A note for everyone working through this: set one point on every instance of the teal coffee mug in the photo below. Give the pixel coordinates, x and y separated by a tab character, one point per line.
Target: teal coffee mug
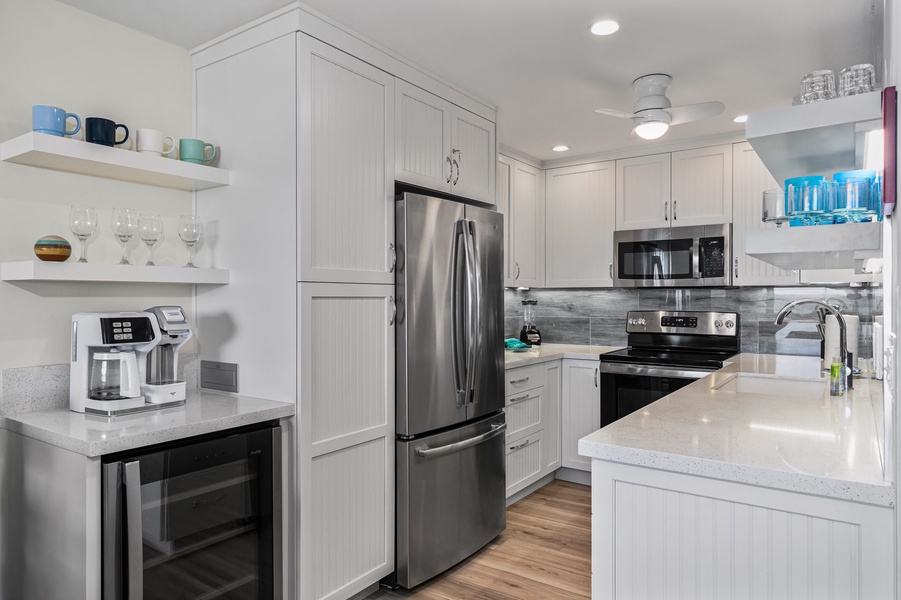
52	120
195	151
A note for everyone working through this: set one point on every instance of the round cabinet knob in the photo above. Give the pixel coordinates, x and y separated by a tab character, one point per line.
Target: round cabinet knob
717	323
729	324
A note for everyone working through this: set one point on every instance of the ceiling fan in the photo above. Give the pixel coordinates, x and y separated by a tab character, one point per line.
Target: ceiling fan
653	113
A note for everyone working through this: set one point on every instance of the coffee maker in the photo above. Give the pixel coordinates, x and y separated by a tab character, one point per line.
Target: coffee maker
108	349
161	383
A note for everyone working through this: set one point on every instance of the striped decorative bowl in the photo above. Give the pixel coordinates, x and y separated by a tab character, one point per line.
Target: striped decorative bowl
52	248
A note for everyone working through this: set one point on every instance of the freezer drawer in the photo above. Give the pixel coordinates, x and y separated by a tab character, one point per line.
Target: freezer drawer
450	497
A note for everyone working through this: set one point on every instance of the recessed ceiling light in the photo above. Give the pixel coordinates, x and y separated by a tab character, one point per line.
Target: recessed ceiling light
604	27
560	148
740	119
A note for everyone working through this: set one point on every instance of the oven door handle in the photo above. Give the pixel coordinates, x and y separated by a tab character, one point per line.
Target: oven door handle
654	371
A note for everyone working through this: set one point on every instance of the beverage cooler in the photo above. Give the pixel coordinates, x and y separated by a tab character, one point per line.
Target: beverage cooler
195	520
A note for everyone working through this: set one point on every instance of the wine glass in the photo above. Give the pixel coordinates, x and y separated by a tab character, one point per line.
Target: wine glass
190	229
83	224
125	226
150	228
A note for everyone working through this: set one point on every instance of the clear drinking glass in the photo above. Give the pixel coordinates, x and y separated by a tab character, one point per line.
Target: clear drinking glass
190	230
150	228
857	79
124	226
83	224
817	85
774	207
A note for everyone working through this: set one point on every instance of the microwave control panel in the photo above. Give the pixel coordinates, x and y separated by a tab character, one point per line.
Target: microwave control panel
712	257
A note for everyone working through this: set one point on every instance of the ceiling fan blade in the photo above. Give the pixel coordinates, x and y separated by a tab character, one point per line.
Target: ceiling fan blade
614	113
695	112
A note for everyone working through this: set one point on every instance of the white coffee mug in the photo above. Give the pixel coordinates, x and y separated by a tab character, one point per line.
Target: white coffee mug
151	141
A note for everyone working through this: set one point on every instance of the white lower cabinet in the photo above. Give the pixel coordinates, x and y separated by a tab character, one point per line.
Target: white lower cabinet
345	417
581	408
532	408
659	534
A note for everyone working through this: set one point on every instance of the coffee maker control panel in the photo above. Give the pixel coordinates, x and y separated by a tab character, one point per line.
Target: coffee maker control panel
126	330
171	319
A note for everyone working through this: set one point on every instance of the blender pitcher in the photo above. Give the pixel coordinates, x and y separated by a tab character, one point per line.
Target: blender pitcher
114	375
529	333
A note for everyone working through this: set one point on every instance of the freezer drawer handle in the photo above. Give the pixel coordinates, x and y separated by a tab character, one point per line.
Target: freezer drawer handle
440	451
131	476
515	381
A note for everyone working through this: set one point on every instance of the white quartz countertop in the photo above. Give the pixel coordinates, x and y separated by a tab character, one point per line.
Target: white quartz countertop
548	352
203	412
796	441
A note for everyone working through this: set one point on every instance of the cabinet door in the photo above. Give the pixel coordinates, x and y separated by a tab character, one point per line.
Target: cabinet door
643	192
525	220
345	173
550	418
473	155
504	199
702	186
749	179
346	445
581	408
423	138
579	236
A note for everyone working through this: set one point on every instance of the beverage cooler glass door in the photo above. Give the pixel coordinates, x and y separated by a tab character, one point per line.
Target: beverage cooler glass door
197	520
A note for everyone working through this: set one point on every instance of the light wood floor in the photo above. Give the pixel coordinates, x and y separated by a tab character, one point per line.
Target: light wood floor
544	554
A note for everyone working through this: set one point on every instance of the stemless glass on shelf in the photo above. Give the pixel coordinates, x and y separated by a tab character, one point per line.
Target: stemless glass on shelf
190	230
124	226
150	228
774	207
83	224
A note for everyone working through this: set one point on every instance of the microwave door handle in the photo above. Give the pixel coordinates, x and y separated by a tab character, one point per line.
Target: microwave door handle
134	534
696	258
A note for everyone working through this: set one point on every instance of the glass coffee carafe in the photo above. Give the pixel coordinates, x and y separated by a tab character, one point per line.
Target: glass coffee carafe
114	375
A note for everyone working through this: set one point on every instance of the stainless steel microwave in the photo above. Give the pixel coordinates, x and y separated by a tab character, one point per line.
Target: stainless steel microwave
673	257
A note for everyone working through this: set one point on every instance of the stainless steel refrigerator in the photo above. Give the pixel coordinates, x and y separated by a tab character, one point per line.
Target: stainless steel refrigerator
450	390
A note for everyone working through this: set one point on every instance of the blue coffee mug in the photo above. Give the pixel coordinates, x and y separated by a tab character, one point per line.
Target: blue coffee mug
52	120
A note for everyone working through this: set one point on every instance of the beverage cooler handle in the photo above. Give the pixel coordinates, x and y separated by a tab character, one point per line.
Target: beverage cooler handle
459	366
134	535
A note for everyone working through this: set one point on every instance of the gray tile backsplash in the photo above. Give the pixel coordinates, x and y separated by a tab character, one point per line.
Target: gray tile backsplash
598	316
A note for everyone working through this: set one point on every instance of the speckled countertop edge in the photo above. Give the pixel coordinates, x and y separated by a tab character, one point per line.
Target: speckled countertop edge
549	352
204	412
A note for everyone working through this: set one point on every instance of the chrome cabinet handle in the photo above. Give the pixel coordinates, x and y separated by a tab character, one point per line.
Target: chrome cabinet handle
393	251
736	268
457	164
666	211
515	381
518	446
519	399
450	169
393	310
610	270
517	270
596	369
674	210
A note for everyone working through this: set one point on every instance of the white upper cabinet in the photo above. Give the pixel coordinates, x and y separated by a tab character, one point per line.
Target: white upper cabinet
686	188
749	179
579	226
643	192
521	199
702	186
443	147
345	217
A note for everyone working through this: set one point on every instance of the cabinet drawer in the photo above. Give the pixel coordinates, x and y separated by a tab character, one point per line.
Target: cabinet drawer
523	461
521	379
523	412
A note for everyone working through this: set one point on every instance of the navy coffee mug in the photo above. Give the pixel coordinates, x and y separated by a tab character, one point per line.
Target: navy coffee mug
103	131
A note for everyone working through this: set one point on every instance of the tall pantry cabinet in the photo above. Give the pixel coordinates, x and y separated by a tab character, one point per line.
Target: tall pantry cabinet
308	230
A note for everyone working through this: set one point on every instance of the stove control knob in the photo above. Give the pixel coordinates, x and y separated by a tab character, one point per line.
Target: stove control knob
642	321
729	324
717	323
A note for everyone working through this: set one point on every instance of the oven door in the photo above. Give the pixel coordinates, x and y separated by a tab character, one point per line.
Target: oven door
626	388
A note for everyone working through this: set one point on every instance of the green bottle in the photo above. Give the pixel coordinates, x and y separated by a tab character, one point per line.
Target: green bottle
836	376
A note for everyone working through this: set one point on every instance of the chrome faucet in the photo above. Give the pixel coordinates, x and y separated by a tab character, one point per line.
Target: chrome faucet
842	332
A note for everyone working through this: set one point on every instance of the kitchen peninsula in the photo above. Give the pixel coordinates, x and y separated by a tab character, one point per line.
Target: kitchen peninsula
752	479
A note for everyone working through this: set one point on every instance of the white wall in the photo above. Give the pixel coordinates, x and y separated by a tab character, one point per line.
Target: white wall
57	55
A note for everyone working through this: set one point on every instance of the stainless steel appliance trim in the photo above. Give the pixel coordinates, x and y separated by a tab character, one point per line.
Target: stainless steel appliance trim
459	366
472	319
706	322
496	429
478	340
654	371
695	255
134	534
110	554
277	518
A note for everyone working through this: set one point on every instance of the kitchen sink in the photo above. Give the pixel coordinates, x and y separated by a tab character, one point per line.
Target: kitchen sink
770	385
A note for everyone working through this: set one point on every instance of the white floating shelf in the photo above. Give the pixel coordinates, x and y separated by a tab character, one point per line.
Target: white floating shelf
29	270
820	138
74	156
816	247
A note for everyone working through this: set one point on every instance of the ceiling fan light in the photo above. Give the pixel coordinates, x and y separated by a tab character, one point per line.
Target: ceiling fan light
605	27
651	130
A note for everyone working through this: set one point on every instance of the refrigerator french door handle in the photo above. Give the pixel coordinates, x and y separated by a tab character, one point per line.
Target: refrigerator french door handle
478	341
459	365
472	313
134	535
496	430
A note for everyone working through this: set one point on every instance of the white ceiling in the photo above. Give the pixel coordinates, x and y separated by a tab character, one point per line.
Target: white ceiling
536	61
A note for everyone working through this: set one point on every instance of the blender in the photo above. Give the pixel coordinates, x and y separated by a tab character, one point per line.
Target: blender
529	333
